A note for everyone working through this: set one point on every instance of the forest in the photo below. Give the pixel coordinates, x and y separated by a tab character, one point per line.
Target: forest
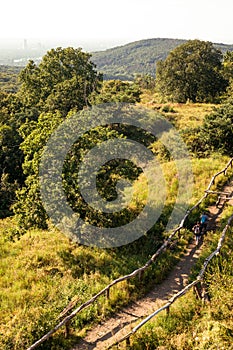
42	270
140	57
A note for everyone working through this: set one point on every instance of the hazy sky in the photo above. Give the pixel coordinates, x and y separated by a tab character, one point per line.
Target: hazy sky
121	20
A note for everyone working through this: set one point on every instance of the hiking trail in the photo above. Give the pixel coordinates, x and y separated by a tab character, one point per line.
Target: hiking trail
108	331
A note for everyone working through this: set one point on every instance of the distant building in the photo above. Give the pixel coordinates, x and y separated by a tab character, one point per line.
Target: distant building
25	44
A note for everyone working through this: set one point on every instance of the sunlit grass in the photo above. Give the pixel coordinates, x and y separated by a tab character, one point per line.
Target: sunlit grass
192	324
181	115
42	271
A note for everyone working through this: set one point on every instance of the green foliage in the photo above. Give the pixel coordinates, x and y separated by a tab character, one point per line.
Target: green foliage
168	109
34	268
190	324
139	57
11	157
228	65
62	81
217	130
195	141
9	78
191	72
117	91
145	81
28	208
7	195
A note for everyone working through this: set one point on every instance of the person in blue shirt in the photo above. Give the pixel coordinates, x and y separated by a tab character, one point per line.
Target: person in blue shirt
204	221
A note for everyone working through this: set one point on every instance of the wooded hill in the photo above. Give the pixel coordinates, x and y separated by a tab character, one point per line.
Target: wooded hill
139	57
126	61
41	270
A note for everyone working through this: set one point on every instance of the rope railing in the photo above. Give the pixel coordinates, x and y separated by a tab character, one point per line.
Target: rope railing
184	290
136	272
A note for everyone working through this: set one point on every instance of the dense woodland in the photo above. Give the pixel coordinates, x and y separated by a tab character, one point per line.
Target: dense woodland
138	58
192	88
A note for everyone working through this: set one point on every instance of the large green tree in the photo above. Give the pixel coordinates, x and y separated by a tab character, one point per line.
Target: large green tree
64	80
11	157
228	65
192	71
29	208
217	131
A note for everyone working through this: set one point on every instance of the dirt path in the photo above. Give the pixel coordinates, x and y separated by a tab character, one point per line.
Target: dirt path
107	332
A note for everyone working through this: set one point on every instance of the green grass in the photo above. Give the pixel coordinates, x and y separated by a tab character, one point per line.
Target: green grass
181	115
192	324
41	272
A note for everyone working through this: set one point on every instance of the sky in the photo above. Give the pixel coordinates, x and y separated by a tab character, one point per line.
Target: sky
121	21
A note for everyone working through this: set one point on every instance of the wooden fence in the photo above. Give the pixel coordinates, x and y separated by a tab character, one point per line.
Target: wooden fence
137	272
198	279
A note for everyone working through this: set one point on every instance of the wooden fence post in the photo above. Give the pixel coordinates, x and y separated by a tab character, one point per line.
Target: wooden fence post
204	293
197	290
127	341
67	329
140	275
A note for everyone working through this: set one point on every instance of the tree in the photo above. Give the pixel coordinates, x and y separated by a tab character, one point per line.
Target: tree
117	91
11	157
228	73
228	65
29	209
217	132
64	80
192	71
145	81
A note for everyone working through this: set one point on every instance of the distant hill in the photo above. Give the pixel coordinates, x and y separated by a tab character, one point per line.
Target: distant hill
124	62
121	62
9	78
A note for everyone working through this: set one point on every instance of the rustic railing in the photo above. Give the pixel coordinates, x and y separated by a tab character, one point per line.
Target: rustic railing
136	272
183	291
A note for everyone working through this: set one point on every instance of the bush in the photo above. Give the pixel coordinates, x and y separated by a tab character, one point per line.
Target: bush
217	130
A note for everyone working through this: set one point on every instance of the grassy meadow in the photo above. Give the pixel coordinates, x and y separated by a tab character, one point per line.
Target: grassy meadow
42	271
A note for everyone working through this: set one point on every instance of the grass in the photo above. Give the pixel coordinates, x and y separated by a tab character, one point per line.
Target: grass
41	272
192	324
189	115
181	115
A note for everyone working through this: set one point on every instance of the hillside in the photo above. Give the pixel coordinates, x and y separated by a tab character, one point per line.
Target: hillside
9	78
124	62
46	276
121	62
43	272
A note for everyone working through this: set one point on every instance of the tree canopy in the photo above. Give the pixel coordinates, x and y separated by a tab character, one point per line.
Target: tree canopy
192	71
117	91
64	80
217	131
228	65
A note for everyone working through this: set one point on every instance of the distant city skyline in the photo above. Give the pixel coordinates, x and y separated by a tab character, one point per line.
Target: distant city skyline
105	23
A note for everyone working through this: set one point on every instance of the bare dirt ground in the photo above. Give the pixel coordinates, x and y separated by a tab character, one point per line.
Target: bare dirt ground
109	331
